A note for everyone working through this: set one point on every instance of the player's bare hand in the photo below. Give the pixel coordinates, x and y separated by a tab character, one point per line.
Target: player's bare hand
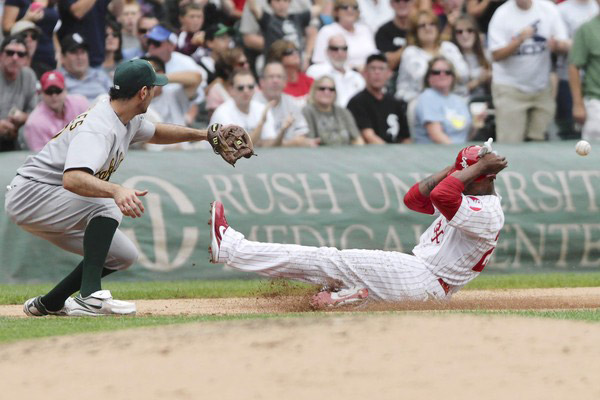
492	163
128	201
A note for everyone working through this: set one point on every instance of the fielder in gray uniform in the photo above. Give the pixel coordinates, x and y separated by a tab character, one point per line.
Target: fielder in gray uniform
63	193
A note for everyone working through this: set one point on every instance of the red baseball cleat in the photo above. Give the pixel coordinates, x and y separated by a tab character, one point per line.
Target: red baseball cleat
339	298
218	226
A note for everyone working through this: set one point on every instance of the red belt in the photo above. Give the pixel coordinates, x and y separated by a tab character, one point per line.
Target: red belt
444	285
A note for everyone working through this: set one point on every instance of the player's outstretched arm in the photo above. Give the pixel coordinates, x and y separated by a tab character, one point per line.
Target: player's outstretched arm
169	133
83	183
417	198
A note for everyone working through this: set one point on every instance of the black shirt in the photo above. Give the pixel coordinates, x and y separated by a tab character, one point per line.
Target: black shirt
387	117
390	38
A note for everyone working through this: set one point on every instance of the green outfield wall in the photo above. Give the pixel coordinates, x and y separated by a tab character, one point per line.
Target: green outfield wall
346	197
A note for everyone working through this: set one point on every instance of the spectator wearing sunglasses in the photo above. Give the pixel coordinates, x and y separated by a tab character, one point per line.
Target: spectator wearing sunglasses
113	49
348	82
425	43
441	116
226	64
17	90
37	23
331	124
256	118
467	37
80	78
56	109
346	14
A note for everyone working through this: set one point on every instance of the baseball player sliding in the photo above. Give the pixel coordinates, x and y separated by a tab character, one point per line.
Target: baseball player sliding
452	252
63	193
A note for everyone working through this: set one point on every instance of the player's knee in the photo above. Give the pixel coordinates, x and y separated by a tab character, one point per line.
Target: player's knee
124	259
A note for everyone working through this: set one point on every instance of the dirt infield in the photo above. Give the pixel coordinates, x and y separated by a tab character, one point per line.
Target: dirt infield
391	356
513	299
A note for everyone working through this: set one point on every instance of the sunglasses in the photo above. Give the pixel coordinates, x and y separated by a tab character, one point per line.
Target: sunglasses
155	43
468	30
347	7
142	31
31	35
240	88
52	91
289	52
401	1
441	71
11	53
338	48
326	89
426	24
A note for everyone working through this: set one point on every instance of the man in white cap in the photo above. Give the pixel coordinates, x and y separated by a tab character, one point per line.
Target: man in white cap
56	109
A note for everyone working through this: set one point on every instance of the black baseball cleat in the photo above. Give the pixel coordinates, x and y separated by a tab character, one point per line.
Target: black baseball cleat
218	226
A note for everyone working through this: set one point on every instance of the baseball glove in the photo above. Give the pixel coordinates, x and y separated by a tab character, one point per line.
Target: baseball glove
231	142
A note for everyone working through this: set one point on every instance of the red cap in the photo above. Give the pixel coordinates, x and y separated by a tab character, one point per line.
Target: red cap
52	78
467	157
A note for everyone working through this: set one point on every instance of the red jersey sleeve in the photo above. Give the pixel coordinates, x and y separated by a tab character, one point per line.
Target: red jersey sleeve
417	202
447	196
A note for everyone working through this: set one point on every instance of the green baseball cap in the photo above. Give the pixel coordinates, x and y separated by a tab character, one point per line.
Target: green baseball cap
132	75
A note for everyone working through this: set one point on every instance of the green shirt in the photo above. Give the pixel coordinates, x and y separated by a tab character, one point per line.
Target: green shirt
585	54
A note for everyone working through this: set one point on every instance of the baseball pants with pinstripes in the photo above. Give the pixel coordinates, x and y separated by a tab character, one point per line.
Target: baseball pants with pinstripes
389	276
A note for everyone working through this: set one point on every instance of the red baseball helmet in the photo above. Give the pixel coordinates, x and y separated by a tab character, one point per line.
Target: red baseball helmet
467	157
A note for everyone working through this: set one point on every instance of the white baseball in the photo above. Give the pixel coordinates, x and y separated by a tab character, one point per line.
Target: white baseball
583	148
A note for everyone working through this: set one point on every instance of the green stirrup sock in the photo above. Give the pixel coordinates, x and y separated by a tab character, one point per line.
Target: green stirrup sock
96	243
55	299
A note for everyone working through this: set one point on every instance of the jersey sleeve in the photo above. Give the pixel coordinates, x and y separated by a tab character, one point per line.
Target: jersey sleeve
87	150
479	216
145	131
415	200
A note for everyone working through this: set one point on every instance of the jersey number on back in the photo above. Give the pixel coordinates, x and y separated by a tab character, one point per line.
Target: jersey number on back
484	260
78	120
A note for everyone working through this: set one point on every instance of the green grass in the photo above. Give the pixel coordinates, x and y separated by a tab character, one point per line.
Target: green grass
18	293
14	329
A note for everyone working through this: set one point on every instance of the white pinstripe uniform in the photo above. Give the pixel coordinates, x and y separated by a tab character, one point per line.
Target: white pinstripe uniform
455	251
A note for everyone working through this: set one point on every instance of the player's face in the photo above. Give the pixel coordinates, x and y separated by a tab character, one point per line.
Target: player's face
481	188
54	98
13	58
337	50
76	62
147	96
377	74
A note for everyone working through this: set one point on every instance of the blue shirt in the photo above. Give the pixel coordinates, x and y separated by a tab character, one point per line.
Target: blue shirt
450	111
93	84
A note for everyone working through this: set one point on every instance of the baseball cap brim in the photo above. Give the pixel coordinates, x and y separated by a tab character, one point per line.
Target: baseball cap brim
161	80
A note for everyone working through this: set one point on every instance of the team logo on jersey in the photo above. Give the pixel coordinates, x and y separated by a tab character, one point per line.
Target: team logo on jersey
114	164
474	203
438	232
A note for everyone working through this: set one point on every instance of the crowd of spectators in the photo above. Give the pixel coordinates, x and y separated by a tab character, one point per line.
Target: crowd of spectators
312	72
